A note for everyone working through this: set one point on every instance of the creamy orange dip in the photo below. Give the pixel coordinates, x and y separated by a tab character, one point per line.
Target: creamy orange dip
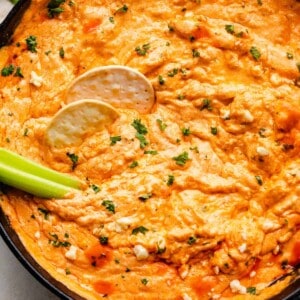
198	199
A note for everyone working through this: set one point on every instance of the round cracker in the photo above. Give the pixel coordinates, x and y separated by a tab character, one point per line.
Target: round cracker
78	120
119	86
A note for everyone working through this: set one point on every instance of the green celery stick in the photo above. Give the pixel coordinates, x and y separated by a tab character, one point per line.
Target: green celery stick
28	166
32	184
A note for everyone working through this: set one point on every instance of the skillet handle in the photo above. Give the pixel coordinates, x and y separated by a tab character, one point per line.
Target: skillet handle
8	26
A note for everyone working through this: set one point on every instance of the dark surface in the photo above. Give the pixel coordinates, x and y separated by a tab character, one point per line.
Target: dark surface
16	246
12	20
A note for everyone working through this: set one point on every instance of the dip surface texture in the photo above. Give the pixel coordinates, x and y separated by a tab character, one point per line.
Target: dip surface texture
198	199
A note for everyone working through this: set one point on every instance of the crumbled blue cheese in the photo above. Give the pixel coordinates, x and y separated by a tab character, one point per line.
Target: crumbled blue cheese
35	79
37	235
247	116
186	297
243	248
71	253
123	223
236	287
262	151
140	252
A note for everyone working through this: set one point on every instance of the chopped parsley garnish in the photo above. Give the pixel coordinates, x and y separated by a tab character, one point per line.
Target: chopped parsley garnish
255	53
14	1
122	9
31	43
195	148
195	53
140	229
161	80
71	3
55	242
95	188
142	51
25	133
161	124
145	197
171	28
206	104
139	127
142	139
103	240
261	132
44	212
171	179
115	139
186	131
229	28
214	130
111	20
192	240
54	8
298	66
6	71
180	97
74	159
19	73
141	131
251	290
144	281
160	250
62	52
181	159
68	272
133	164
259	180
173	72
289	55
152	152
192	38
109	205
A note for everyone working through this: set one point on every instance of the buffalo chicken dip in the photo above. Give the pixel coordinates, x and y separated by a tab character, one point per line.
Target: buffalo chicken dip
197	198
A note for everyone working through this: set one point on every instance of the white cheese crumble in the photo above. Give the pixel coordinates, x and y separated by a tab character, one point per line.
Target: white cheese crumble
262	151
225	115
71	253
276	250
268	225
123	223
243	248
36	80
37	235
186	297
140	252
236	287
252	274
247	116
216	270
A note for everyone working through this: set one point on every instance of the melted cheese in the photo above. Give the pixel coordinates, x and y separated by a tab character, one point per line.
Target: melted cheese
207	205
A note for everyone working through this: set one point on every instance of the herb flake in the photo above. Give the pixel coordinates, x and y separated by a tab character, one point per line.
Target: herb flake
109	205
181	159
140	229
255	53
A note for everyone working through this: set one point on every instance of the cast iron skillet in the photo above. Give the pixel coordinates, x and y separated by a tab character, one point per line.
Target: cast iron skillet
12	20
292	292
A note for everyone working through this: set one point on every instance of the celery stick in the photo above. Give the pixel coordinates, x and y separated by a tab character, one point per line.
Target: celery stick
23	164
32	184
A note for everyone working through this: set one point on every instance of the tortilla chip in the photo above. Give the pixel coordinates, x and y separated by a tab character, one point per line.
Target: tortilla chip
78	120
119	86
